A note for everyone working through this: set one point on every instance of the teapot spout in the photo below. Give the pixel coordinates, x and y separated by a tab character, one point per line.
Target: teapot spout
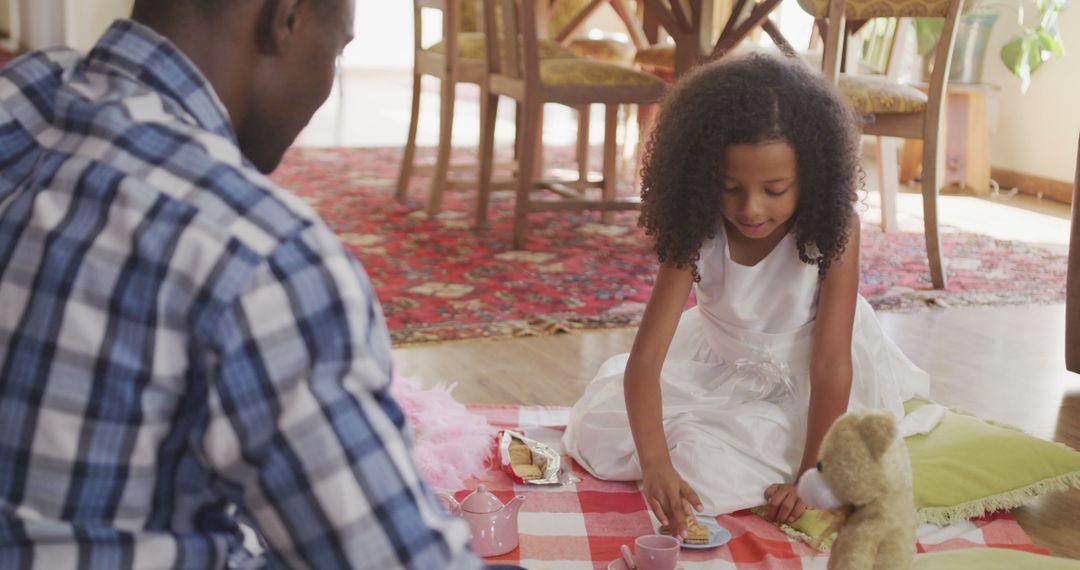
513	506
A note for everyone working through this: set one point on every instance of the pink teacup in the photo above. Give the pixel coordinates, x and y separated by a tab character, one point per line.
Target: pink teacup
656	552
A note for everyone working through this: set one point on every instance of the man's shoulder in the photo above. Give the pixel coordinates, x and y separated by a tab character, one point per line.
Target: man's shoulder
230	200
160	153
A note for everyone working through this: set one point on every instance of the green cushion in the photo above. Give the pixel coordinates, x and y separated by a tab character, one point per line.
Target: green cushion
810	525
990	559
966	467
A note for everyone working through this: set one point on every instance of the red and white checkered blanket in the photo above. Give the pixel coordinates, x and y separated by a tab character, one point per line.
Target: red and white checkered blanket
581	525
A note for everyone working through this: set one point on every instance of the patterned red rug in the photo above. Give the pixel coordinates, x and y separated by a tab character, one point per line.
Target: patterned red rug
439	280
5	57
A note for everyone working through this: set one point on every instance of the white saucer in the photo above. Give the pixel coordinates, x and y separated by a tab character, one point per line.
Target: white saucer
618	564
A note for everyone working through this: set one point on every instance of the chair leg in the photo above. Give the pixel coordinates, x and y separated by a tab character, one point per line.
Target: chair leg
628	145
442	160
409	157
611	140
538	158
931	180
527	169
646	117
583	143
489	107
888	182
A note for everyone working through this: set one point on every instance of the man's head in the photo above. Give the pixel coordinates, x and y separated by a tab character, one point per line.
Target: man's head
272	62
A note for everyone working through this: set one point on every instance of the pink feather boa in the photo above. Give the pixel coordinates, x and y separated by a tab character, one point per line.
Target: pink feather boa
451	444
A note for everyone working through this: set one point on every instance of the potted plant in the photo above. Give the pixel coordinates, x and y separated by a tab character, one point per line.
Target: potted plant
1021	55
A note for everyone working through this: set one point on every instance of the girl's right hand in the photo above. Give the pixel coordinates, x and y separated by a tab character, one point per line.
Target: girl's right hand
670	498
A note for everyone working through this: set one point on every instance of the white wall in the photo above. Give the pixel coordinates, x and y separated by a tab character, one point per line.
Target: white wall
1037	131
383	35
384	32
42	23
87	19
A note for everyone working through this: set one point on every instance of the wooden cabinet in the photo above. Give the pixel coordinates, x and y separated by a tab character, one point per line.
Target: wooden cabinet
967	135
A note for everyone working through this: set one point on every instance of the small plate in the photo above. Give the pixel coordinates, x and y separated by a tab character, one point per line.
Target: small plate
619	564
718	535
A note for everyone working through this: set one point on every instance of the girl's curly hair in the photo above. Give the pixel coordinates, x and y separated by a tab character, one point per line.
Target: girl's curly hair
749	99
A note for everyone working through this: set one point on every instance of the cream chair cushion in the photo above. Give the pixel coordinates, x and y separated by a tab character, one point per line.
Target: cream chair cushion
471	46
871	94
565	72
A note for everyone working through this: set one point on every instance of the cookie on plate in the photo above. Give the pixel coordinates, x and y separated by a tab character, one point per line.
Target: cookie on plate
697	533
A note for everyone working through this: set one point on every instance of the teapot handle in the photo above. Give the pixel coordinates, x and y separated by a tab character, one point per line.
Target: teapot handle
450	504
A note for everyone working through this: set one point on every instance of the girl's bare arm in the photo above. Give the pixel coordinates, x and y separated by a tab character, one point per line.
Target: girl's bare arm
830	361
666	492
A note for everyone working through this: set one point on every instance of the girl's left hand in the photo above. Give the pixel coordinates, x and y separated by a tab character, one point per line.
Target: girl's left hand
785	506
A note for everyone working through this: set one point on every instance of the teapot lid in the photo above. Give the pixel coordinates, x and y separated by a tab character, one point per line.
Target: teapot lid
481	501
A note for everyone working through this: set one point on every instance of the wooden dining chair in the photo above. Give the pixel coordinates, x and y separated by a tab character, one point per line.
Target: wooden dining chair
874	47
458	57
515	70
1072	280
892	109
568	18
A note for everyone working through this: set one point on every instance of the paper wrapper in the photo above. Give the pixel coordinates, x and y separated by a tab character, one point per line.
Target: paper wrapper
547	459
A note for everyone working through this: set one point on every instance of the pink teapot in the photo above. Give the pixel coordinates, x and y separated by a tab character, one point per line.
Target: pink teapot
493	526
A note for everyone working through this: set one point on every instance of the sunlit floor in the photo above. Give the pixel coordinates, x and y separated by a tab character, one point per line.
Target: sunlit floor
1002	363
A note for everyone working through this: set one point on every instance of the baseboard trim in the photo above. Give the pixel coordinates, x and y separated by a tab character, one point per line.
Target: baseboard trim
1035	185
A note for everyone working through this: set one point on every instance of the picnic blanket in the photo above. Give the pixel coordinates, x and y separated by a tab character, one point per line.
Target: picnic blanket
582	524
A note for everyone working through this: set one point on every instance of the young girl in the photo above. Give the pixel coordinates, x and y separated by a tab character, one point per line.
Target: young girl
749	191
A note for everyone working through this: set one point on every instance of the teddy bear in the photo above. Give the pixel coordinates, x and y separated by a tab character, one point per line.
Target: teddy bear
864	470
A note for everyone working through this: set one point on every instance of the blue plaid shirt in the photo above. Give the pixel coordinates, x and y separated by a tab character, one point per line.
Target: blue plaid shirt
182	343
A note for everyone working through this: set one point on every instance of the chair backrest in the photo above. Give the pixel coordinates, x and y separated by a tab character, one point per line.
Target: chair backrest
1072	280
563	13
451	24
513	51
878	44
472	16
840	10
866	9
881	40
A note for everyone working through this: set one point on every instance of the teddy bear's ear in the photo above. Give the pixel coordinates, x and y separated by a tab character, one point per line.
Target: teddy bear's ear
878	430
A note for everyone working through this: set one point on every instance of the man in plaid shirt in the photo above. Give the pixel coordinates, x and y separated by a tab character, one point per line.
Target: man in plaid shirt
182	343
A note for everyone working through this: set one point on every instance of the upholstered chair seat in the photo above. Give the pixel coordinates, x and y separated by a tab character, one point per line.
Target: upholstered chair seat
656	57
471	46
605	49
873	94
563	72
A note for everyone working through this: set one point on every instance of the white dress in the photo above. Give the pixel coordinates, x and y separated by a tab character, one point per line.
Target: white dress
736	381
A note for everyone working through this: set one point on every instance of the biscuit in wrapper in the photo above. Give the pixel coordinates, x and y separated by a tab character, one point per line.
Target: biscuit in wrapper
519	453
528	472
527	460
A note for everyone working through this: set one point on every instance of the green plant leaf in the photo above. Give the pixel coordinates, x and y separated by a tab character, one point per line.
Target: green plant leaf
927	32
1050	43
1015	57
1034	52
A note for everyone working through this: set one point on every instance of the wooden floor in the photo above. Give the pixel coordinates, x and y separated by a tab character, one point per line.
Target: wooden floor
1006	364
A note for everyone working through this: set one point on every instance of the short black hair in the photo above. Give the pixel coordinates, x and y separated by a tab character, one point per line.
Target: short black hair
750	99
206	7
